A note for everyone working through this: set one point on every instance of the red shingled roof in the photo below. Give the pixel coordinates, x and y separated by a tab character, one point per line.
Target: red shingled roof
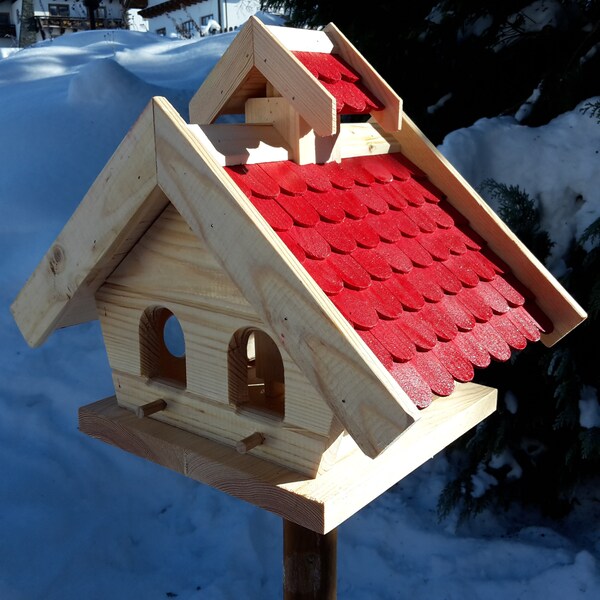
419	286
341	81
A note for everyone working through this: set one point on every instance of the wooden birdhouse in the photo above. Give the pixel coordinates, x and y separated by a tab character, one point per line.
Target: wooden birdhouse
336	282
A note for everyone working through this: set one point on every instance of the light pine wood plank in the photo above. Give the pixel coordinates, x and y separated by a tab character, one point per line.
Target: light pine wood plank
292	446
552	298
321	342
171	267
236	144
293	80
390	118
304	40
121	203
320	504
229	74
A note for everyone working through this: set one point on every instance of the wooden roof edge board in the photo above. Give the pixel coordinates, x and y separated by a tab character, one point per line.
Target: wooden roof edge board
224	79
66	276
241	143
302	40
319	504
390	118
293	80
562	309
360	391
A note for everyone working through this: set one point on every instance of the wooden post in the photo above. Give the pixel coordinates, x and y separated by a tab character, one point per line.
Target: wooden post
309	563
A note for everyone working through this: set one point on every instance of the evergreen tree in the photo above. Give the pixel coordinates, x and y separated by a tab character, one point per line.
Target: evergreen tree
544	439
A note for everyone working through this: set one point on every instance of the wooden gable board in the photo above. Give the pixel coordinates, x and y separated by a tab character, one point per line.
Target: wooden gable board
119	206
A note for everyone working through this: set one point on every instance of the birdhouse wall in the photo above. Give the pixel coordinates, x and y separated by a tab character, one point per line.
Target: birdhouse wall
170	271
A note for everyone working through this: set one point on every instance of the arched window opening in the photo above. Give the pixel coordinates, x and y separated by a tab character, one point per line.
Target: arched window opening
256	378
162	346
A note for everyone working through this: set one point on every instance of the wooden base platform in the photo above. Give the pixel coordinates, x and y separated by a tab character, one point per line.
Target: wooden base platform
319	504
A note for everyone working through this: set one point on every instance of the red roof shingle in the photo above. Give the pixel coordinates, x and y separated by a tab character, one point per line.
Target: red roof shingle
341	81
401	264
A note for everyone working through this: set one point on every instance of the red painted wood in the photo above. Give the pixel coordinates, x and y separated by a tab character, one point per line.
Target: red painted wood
319	66
420	218
461	270
397	259
460	316
315	176
474	303
377	267
492	341
391	337
481	265
371	199
415	251
325	275
385	227
407	226
346	71
361	175
413	170
425	284
261	185
412	383
355	308
444	277
417	330
400	286
510	334
337	235
350	99
423	290
522	320
339	177
437	214
377	348
513	297
302	212
275	216
493	298
435	244
363	233
391	195
401	169
412	193
352	274
472	349
289	241
386	304
327	205
440	322
311	241
454	360
377	168
434	373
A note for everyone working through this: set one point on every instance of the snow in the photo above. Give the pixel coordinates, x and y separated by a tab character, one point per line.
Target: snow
80	519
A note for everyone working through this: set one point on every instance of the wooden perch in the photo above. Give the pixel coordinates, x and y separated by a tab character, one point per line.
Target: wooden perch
145	410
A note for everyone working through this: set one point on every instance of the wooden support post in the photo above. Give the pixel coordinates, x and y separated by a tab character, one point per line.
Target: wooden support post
309	563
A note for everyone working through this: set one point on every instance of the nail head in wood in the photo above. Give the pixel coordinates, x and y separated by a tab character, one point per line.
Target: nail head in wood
245	445
150	408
